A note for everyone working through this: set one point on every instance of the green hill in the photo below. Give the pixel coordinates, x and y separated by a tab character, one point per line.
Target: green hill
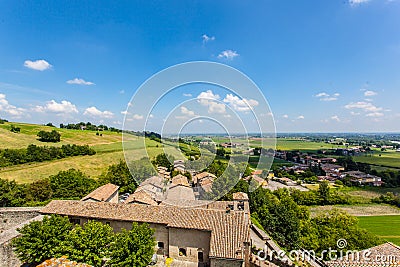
108	147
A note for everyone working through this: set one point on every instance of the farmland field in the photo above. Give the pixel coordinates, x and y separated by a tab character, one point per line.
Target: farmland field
387	159
386	227
359	210
108	147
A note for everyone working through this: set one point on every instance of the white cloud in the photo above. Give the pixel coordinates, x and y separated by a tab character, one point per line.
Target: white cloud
301	117
208	98
186	111
54	107
370	93
323	94
124	112
240	104
327	97
285	116
122	92
207	38
335	118
187	95
94	112
137	117
374	114
228	54
40	64
366	106
357	2
10	109
79	81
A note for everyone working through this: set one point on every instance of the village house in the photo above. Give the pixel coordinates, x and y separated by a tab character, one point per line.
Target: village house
361	178
106	193
210	235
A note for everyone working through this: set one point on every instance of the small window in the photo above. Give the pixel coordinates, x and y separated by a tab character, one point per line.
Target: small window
182	252
230	206
241	205
74	221
160	245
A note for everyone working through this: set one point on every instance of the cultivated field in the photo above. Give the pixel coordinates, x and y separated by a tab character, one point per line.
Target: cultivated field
359	210
386	227
386	159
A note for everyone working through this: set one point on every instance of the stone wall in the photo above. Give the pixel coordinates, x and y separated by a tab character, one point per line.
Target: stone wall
7	256
10	217
225	263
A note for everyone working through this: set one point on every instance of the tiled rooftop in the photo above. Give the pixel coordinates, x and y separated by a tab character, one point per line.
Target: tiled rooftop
102	193
228	230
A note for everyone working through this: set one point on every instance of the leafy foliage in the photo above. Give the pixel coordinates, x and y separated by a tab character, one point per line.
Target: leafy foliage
55	236
134	247
71	184
42	240
52	136
91	243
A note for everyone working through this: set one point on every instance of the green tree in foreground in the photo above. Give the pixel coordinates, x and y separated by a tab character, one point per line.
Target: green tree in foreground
134	247
42	240
90	243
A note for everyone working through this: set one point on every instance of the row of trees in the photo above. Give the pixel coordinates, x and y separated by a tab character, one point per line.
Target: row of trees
70	184
94	243
88	126
34	153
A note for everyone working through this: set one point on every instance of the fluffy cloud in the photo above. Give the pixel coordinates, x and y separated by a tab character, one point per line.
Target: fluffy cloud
374	114
366	106
10	109
79	81
370	93
137	117
94	112
40	64
240	104
228	54
186	111
208	98
187	95
285	116
301	117
327	97
54	107
207	38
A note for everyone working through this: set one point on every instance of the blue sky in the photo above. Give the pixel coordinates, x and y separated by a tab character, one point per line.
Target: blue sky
323	66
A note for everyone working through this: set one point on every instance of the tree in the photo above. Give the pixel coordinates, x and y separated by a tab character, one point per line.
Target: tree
42	240
91	243
39	190
134	247
323	191
52	136
15	129
71	184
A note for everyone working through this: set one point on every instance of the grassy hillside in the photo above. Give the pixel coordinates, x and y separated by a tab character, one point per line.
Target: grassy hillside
108	147
28	136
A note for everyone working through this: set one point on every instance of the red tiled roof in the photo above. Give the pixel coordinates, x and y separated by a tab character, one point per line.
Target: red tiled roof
102	193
